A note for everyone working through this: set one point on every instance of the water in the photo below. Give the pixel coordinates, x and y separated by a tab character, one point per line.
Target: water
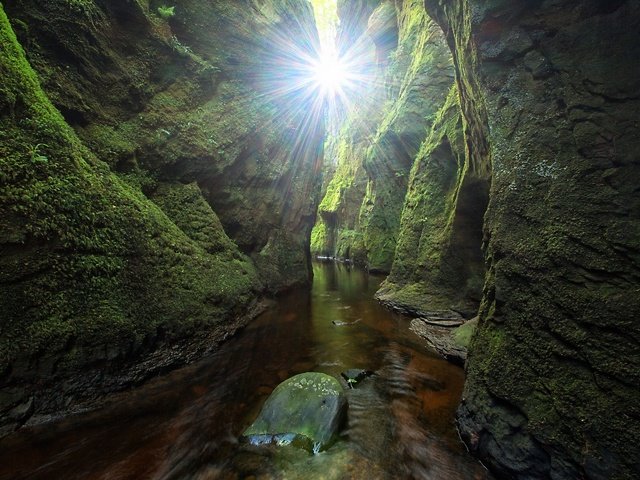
185	424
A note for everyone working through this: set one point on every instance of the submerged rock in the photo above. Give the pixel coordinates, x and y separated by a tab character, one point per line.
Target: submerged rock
306	410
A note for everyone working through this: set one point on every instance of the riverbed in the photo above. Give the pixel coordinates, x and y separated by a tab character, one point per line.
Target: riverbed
186	424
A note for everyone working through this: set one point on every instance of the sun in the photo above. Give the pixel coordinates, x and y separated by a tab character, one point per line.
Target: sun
329	74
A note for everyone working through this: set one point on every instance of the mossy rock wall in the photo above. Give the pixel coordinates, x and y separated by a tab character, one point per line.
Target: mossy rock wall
438	263
123	209
419	75
380	141
552	382
337	231
193	97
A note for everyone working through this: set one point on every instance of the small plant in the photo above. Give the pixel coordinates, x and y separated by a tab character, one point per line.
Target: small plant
36	156
166	12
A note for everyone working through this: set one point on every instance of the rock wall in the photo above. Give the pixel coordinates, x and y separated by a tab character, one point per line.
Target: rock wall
152	187
519	195
438	264
379	145
337	230
198	95
552	383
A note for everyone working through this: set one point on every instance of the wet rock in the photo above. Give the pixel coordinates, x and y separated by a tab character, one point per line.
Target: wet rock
441	339
306	410
556	351
354	376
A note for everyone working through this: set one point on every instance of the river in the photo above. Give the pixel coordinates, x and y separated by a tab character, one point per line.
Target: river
186	424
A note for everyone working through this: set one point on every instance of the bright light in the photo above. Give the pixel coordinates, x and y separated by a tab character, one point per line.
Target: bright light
329	74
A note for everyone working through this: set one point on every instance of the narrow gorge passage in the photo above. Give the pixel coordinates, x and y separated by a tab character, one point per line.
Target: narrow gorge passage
169	169
186	424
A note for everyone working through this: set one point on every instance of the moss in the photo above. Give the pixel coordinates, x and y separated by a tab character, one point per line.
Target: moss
187	208
281	267
166	12
309	405
320	239
437	262
556	339
338	210
191	100
380	141
93	262
418	81
351	246
463	334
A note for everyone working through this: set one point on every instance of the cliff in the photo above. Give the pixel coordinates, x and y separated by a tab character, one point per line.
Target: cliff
153	187
516	200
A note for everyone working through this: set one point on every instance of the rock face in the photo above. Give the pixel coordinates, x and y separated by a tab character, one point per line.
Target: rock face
306	410
451	343
151	188
195	97
520	196
359	216
553	370
410	189
438	263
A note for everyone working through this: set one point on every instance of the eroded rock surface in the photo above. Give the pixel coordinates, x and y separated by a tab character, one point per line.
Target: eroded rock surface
359	216
556	350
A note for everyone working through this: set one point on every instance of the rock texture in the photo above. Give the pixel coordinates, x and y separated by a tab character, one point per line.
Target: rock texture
518	198
151	188
438	263
359	217
306	410
553	380
195	97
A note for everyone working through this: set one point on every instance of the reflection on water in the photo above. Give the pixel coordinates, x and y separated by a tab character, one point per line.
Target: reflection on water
186	424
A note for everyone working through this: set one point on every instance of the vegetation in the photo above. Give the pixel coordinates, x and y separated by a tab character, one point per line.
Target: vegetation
166	12
372	176
98	270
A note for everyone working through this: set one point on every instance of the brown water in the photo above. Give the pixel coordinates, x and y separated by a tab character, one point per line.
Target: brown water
185	424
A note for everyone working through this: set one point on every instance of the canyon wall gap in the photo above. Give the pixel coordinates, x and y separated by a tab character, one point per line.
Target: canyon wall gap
152	192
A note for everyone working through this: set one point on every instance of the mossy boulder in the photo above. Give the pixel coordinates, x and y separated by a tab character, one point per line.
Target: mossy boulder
306	410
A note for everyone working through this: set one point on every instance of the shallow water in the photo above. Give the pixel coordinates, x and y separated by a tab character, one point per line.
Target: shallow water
186	424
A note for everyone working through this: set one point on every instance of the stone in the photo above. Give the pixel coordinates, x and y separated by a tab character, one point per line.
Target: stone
441	339
354	376
462	335
306	411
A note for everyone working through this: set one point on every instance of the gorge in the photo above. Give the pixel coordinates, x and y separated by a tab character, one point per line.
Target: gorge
167	169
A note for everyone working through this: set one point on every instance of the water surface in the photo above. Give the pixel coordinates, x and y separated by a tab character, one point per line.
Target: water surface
186	424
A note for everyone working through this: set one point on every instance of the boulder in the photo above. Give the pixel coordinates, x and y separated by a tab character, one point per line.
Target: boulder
306	410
